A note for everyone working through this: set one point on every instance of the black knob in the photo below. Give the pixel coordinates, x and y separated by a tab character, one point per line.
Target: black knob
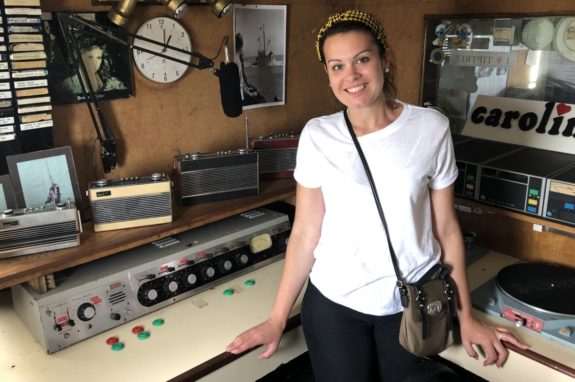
71	323
115	316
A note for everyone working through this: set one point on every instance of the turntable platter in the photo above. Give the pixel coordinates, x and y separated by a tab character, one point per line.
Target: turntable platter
542	286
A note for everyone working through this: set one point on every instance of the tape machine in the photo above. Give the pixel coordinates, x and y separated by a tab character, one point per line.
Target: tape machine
201	178
277	155
130	202
30	230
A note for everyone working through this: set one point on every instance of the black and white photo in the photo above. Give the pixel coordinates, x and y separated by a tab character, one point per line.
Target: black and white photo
260	53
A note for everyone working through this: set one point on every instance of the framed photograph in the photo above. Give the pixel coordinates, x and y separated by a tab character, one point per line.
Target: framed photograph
44	177
7	200
107	62
260	53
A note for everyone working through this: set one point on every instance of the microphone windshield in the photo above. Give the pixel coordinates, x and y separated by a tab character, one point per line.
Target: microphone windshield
230	91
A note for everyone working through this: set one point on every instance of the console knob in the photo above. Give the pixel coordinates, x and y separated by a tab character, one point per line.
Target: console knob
86	311
115	316
173	286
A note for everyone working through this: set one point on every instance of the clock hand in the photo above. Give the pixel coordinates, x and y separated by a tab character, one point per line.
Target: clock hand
166	44
164	33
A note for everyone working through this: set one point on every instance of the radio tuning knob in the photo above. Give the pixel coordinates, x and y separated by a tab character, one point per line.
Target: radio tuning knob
101	182
156	176
115	316
8	212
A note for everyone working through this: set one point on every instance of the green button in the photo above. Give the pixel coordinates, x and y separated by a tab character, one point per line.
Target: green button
229	292
118	346
158	322
250	282
533	191
144	335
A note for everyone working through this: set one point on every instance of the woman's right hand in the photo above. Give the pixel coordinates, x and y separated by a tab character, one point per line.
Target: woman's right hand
267	333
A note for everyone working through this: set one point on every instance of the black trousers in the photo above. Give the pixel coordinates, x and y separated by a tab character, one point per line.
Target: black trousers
349	346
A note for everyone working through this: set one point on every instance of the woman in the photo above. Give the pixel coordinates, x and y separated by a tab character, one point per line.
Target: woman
351	310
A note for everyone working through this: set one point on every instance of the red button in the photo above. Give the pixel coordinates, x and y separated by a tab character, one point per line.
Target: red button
137	329
112	340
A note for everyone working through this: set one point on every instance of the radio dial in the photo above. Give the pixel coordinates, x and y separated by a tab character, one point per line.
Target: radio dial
86	311
101	182
115	316
157	176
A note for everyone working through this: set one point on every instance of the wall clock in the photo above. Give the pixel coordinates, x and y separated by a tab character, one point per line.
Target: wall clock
167	32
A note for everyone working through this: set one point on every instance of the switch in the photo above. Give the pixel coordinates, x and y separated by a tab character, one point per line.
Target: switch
115	316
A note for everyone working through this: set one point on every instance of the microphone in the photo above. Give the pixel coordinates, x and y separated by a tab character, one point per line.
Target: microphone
230	90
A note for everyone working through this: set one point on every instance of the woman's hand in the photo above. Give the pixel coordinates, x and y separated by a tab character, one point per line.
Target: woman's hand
489	339
267	333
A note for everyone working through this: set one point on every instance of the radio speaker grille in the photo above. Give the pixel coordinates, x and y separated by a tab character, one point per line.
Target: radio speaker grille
277	160
7	238
220	179
132	208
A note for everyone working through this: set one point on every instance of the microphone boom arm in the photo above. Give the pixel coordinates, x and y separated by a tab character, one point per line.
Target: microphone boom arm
71	26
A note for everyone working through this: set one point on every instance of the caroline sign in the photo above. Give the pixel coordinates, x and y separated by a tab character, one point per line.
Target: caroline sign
544	125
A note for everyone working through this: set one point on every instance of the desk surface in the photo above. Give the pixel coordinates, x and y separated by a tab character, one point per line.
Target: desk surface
193	335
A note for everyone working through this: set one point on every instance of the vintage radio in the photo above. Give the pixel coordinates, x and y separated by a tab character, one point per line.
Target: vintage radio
560	197
46	228
209	177
109	292
130	202
277	155
517	181
469	155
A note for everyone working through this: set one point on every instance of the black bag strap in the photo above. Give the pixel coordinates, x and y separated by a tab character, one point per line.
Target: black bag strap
400	280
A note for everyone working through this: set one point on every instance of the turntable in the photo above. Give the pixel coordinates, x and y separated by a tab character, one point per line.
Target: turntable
536	296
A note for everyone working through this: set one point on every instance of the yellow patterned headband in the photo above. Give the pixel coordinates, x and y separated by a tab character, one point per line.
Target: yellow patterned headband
350	16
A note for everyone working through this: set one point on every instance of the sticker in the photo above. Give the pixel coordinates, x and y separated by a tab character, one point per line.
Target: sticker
30	84
7	137
36	125
31	92
33	100
35	117
20	37
28	64
27	56
6	129
6	121
30	73
34	109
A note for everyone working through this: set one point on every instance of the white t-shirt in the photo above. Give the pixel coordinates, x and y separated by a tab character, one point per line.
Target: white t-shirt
352	261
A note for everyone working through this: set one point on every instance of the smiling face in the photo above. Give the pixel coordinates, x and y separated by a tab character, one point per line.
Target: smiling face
355	67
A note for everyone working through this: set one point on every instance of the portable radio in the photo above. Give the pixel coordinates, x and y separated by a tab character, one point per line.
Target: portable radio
130	202
277	155
46	228
222	175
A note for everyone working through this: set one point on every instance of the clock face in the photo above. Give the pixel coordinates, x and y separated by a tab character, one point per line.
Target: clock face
167	32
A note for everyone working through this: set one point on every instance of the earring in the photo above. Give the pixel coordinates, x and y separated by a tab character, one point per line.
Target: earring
386	70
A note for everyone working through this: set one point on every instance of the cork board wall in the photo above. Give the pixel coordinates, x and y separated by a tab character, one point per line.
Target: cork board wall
162	121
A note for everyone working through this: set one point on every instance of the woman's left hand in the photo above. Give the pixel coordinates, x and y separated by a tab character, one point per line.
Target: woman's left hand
489	339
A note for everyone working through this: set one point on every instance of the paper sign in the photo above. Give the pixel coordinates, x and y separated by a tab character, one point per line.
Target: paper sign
538	124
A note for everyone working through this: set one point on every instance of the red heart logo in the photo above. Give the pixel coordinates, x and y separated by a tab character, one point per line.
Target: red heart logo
562	109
